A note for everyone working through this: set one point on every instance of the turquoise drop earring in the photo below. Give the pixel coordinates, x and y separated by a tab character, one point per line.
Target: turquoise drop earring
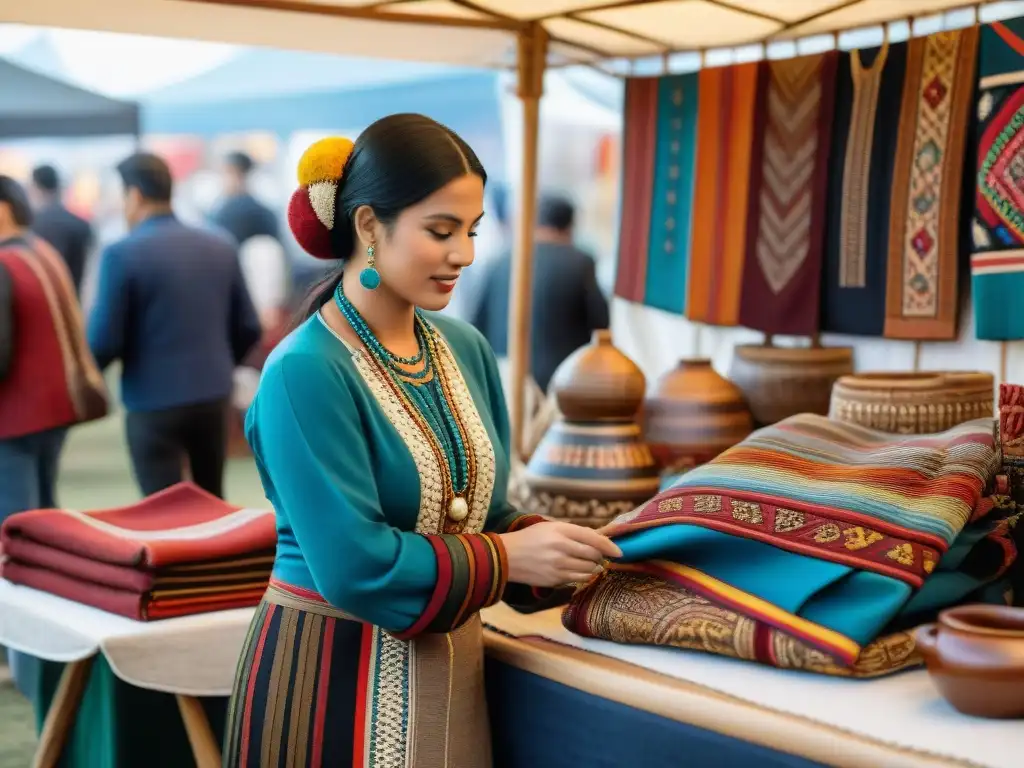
369	278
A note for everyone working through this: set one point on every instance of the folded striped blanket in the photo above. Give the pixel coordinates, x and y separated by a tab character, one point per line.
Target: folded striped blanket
177	552
811	545
838	492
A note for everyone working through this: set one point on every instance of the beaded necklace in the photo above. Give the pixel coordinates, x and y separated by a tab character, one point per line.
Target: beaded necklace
426	395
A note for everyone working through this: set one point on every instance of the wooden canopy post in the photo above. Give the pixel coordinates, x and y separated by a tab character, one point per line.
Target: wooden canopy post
532	59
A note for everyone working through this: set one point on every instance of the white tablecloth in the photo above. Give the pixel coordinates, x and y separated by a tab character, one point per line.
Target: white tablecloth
191	655
903	709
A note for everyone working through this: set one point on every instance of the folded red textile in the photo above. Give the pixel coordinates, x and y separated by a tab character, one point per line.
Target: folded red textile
124	577
142	606
180	525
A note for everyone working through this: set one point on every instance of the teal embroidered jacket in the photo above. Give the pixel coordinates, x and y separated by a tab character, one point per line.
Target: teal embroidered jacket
346	489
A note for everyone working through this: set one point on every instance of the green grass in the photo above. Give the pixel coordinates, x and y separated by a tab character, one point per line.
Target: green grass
94	474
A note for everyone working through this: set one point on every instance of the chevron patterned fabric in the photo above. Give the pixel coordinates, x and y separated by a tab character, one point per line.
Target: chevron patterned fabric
792	137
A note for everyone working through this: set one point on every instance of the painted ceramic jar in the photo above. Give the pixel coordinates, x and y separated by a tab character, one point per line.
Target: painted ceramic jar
779	382
593	464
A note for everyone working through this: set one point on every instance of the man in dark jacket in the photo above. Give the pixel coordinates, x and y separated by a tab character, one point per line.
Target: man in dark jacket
240	213
69	234
567	303
173	307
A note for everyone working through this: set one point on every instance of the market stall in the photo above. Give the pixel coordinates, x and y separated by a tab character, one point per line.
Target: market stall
483	33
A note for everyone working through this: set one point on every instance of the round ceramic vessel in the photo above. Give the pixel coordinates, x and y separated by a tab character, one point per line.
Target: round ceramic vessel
779	382
597	382
693	415
975	656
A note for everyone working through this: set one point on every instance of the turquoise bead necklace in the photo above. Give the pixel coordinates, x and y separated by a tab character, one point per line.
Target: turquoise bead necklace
423	388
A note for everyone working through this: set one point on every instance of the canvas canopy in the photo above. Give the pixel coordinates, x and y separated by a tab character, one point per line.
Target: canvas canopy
34	105
477	33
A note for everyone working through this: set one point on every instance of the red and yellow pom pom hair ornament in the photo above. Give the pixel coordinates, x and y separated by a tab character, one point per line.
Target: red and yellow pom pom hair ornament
311	211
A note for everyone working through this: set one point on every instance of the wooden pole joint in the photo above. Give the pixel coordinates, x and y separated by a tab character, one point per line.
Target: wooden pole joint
532	60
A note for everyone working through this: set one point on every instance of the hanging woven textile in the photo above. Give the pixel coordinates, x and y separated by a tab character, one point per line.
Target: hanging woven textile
924	229
657	194
869	89
725	133
997	229
788	187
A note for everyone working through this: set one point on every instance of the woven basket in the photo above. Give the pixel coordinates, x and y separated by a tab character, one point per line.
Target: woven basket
913	403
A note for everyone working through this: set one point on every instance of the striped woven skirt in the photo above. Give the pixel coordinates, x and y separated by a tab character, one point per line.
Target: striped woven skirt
316	689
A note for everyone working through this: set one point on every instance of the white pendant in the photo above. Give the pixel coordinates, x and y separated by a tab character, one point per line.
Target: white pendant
458	510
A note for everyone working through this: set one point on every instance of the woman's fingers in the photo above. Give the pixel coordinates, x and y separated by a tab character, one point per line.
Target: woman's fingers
583	551
592	538
575	566
579	578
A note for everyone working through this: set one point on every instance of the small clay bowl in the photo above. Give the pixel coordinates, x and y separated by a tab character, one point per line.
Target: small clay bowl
975	656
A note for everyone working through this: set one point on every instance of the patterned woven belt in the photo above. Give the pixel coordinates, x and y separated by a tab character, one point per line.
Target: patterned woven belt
278	594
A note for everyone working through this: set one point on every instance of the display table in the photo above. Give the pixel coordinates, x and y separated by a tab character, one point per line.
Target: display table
896	722
794	719
189	657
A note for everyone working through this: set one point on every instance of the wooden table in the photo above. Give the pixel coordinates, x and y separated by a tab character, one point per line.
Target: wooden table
189	657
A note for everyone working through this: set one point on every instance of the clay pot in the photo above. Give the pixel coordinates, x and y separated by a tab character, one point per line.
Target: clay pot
913	403
597	382
592	464
693	415
975	656
780	382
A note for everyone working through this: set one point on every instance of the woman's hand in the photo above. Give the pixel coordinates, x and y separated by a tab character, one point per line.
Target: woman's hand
554	554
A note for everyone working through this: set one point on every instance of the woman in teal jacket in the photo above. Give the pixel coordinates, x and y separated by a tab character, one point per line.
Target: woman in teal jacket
380	432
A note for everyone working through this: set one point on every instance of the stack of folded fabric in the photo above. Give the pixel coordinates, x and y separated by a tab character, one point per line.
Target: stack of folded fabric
811	545
178	552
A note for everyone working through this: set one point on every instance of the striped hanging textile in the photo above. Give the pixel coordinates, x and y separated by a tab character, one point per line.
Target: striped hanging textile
997	229
869	90
788	185
654	239
924	228
725	139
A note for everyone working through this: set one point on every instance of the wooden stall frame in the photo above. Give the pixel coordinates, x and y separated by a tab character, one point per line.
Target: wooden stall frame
533	43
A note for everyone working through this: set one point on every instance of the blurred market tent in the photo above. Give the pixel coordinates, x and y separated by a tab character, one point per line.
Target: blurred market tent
196	101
